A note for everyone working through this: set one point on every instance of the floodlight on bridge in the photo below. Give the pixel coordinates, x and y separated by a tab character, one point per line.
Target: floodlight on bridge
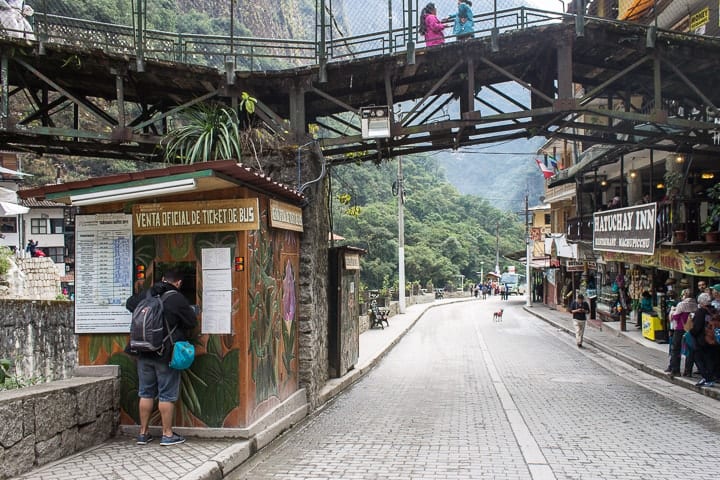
375	122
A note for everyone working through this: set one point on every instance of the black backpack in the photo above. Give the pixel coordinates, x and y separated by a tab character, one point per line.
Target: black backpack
148	324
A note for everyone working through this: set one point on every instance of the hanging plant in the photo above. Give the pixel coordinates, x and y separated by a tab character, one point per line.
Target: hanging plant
206	132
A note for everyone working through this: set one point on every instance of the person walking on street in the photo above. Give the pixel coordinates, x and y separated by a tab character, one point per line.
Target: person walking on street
156	378
431	27
715	293
579	309
678	317
705	351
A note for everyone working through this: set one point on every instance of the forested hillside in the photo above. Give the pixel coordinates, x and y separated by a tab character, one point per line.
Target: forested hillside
446	233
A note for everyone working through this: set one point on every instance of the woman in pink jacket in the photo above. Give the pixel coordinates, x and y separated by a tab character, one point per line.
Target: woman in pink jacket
431	27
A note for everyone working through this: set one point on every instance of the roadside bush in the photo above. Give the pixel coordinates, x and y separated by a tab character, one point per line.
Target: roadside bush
5	260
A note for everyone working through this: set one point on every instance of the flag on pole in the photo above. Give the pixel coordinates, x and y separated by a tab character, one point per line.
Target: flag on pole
546	171
553	162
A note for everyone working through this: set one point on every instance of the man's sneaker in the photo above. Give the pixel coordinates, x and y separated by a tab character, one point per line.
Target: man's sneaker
709	383
701	383
174	439
144	438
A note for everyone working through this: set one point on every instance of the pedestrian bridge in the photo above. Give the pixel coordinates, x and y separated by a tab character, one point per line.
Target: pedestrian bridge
80	87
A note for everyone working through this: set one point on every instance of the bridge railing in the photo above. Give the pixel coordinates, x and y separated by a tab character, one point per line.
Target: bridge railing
125	31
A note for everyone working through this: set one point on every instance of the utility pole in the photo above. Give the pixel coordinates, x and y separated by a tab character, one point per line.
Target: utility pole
497	249
401	237
528	253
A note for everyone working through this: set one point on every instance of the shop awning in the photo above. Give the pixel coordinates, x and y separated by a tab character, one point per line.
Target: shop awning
632	9
195	178
7	171
8	209
561	247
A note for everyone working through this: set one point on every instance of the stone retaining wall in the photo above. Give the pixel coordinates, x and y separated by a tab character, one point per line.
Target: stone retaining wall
46	422
38	337
31	277
394	308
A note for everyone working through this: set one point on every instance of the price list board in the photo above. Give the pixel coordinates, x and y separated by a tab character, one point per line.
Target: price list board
103	273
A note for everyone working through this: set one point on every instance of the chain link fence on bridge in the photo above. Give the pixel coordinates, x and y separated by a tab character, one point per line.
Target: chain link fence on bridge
257	35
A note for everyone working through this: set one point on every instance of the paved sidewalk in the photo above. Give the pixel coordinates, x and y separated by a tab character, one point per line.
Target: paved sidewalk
629	346
202	458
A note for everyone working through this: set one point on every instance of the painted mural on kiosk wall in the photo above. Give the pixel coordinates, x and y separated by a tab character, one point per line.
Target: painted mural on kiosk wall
262	352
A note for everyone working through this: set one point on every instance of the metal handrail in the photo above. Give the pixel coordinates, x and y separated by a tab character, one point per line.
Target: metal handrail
250	53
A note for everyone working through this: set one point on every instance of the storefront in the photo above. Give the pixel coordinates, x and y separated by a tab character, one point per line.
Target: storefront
636	269
235	237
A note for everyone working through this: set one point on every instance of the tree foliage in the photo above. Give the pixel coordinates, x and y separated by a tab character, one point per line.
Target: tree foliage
446	233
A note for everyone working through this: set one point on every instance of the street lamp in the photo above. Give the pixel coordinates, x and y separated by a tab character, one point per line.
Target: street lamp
462	282
482	272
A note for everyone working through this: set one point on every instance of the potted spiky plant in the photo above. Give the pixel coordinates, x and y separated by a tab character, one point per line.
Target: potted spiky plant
673	182
710	225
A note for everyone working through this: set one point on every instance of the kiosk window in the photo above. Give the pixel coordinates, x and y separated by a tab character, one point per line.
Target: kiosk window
189	273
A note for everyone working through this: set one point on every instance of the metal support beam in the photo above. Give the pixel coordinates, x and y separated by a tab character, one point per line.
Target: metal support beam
589	96
120	94
57	87
410	55
322	46
140	35
432	90
336	101
298	120
516	79
579	18
5	105
657	82
565	69
177	109
690	84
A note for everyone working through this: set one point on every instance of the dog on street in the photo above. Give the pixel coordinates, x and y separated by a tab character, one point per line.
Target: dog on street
497	316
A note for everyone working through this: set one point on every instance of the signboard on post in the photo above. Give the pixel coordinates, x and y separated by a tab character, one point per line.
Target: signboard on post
627	230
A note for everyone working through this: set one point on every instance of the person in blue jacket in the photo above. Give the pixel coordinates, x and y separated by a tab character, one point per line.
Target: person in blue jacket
463	26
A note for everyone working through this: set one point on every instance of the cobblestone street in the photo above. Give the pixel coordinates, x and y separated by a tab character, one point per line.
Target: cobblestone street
463	397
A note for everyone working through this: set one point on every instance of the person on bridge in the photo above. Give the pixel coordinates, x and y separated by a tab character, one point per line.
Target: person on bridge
431	27
579	309
463	27
13	19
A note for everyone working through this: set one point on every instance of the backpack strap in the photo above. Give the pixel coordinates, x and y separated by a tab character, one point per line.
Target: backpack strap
167	326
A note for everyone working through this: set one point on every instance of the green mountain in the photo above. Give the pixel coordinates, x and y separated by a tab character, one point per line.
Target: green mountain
447	234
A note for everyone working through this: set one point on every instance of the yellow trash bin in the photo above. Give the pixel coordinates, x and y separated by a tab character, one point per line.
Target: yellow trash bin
652	327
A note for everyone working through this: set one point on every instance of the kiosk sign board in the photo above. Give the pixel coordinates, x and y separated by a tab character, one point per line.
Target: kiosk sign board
285	217
192	217
626	230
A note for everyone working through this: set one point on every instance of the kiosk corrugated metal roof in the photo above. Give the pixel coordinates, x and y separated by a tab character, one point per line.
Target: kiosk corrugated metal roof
243	174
